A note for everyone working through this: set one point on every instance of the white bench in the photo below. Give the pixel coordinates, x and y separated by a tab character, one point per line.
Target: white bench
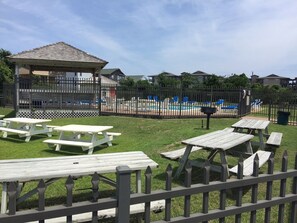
275	139
14	130
112	133
156	206
248	164
86	145
176	154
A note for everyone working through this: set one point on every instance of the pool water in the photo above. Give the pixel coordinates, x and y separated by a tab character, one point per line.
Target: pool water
177	107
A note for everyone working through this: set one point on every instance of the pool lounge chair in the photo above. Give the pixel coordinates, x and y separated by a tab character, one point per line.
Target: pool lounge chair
229	108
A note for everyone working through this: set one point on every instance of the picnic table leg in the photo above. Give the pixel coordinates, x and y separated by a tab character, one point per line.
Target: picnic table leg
261	137
4	198
61	137
28	138
138	181
4	134
249	148
183	161
107	138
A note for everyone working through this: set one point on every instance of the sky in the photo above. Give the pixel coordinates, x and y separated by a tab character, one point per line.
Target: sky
221	37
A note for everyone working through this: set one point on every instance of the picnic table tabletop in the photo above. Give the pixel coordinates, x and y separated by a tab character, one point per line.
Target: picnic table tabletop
82	128
26	120
251	124
54	168
220	139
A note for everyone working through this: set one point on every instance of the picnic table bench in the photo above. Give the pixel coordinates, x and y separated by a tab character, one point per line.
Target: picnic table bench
26	127
248	164
274	139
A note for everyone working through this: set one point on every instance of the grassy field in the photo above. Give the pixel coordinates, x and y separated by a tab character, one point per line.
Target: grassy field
151	136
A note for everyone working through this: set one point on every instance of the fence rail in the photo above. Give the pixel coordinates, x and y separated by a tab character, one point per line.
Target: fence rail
286	201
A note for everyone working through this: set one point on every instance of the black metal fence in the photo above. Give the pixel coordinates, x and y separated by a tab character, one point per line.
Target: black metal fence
57	97
279	106
285	200
172	102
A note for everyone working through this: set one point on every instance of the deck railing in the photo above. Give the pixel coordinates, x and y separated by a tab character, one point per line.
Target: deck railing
285	200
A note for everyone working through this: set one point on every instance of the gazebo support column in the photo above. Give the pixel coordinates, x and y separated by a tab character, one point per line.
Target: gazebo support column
17	89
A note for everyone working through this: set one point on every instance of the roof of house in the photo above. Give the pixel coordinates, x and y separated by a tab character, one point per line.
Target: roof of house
273	76
107	81
164	73
58	54
110	71
200	73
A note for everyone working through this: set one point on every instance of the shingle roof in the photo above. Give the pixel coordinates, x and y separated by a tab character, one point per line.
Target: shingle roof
200	73
274	76
108	71
59	52
107	81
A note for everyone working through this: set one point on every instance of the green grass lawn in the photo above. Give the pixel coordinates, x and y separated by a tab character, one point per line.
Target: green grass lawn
151	136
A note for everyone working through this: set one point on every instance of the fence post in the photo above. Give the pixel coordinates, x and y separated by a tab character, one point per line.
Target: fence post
123	194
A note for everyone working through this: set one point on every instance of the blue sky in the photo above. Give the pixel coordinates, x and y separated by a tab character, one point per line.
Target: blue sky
149	37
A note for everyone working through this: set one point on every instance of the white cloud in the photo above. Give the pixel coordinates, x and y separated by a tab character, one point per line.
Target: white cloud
216	36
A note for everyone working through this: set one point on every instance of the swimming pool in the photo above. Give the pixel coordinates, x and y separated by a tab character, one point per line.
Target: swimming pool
176	107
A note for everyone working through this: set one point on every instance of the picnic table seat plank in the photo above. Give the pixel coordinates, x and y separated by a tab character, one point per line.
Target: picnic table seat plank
68	142
18	131
248	164
155	206
275	139
176	154
111	133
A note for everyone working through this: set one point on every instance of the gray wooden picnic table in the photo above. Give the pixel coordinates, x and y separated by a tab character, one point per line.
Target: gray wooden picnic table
253	126
54	168
216	142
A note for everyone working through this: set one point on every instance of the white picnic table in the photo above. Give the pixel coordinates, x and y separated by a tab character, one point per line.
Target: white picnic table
215	142
252	126
26	127
54	168
85	136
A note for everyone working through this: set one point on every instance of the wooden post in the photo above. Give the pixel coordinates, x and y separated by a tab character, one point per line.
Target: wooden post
17	88
123	194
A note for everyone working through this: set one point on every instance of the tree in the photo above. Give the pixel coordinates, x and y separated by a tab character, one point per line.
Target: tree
165	81
237	81
127	83
187	80
6	67
214	80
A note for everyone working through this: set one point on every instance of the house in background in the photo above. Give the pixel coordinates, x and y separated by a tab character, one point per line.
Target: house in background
271	80
154	78
200	76
114	74
138	77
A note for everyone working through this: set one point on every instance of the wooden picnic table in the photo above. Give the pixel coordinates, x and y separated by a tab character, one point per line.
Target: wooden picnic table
215	142
26	127
254	126
54	168
72	135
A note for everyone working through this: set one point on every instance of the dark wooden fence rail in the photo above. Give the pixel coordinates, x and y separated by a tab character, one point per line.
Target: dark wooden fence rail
123	197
